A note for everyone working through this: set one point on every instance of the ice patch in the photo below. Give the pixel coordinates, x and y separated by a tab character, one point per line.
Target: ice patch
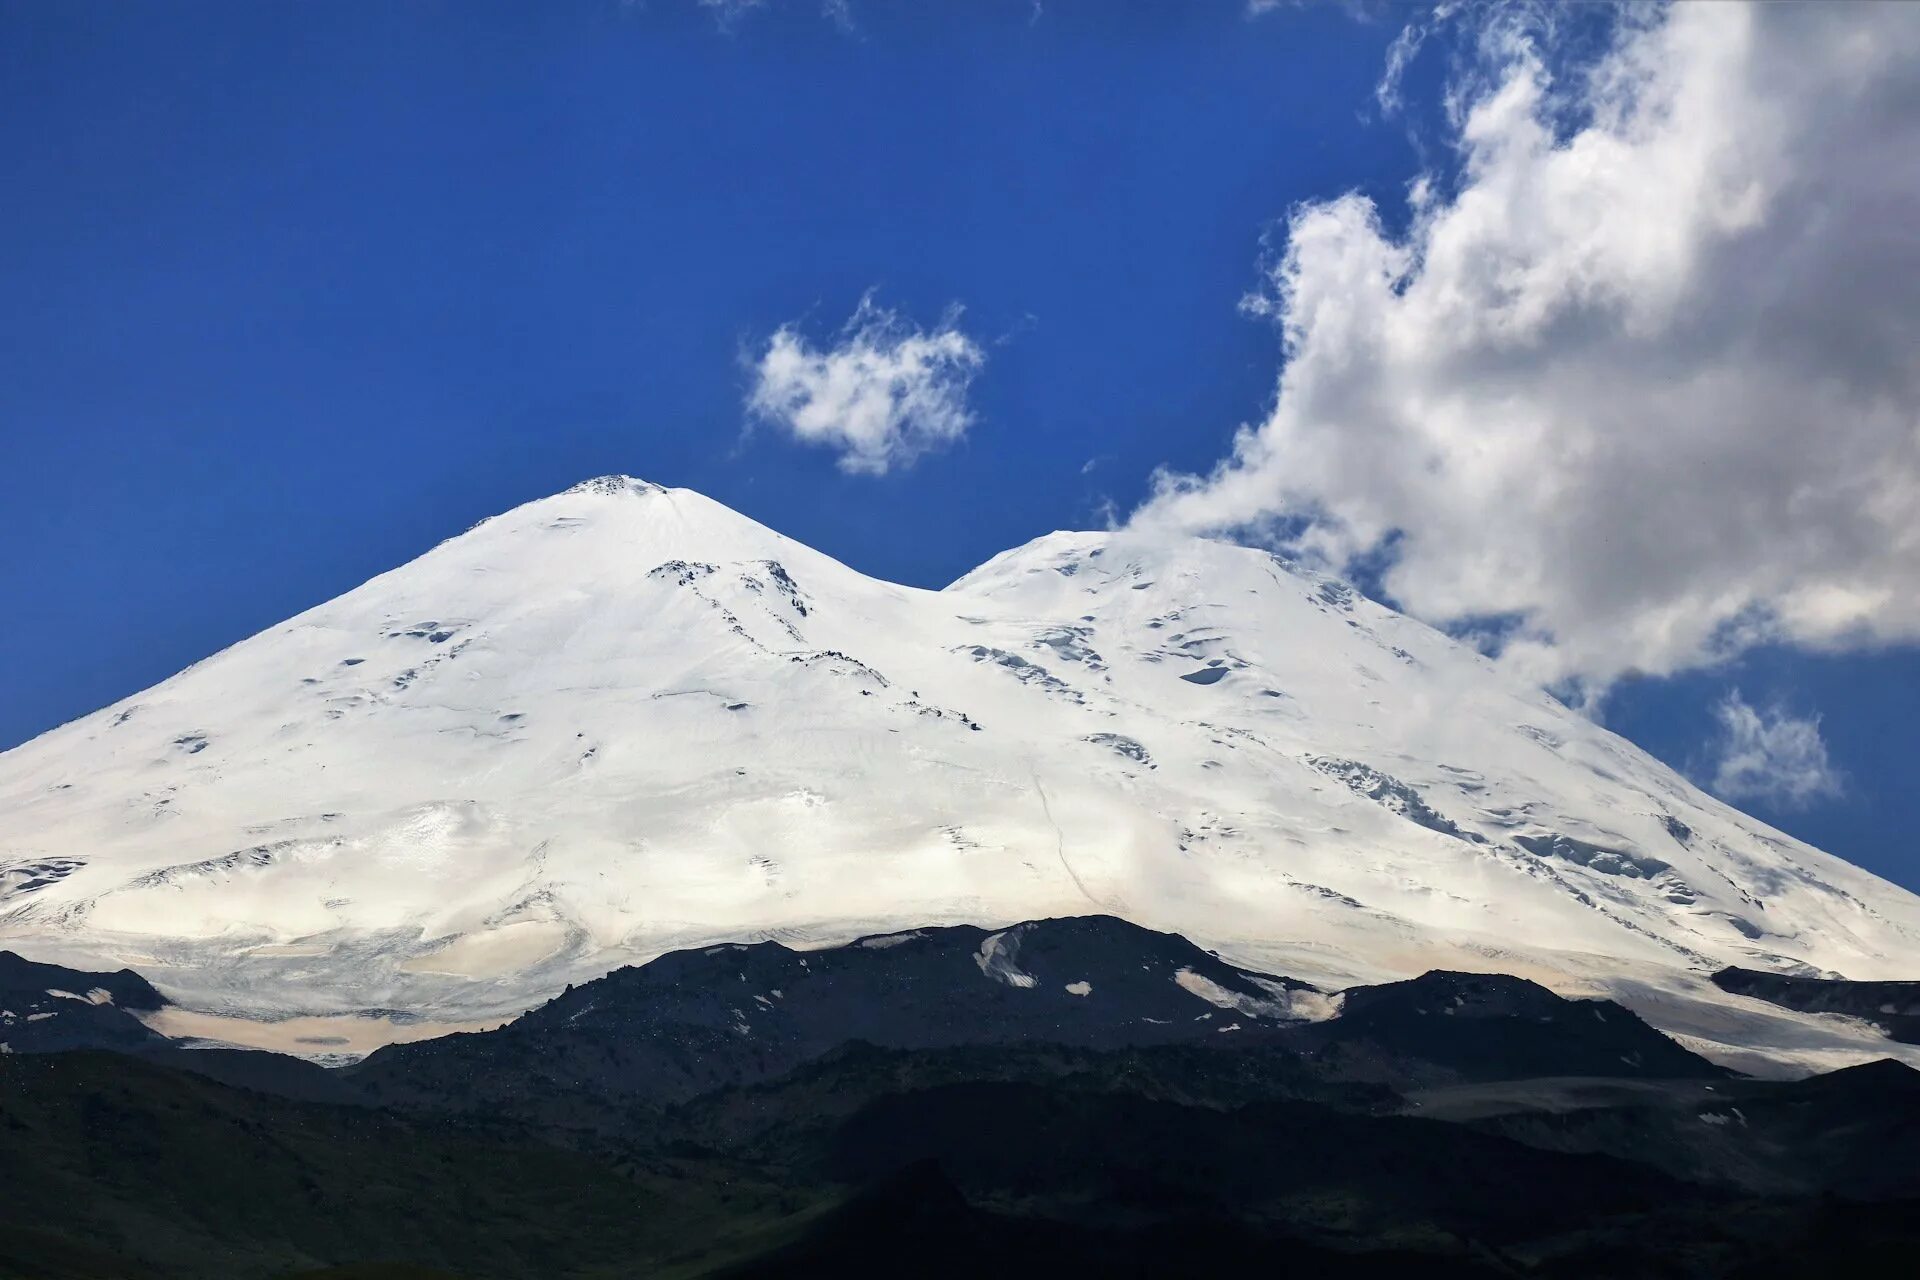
1301	1004
996	955
880	942
1198	984
98	995
1080	988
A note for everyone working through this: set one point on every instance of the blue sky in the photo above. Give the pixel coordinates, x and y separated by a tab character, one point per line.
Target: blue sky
293	292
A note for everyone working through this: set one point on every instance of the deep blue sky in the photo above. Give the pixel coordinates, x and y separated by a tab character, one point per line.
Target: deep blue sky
289	292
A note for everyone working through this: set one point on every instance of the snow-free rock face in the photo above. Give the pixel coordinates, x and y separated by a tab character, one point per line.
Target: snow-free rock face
1894	1007
705	1018
45	1008
626	719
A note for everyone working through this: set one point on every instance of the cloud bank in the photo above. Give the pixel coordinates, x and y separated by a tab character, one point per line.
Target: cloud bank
883	395
1637	387
1770	755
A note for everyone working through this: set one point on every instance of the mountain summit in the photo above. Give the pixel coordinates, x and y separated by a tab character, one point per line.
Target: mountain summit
625	719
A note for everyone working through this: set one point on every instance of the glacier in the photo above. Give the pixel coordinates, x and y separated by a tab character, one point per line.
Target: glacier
626	719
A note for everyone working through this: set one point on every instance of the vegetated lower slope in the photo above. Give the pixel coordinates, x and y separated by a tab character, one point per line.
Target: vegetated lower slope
174	1174
624	720
916	1217
119	1167
1853	1132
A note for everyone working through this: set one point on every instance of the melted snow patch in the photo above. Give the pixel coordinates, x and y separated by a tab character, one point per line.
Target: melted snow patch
98	995
1197	984
882	941
996	958
1305	1006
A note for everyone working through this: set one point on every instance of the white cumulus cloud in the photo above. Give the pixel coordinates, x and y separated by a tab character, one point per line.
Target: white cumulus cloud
1770	755
1638	386
883	394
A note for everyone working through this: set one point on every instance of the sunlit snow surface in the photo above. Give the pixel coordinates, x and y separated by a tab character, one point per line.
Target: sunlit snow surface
625	719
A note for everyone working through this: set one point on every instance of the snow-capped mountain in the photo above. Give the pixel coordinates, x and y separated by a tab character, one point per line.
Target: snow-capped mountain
625	719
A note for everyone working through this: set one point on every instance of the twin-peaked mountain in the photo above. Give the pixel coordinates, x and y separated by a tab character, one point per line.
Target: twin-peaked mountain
625	719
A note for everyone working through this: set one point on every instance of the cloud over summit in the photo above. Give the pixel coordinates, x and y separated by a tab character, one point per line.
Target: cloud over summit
1640	379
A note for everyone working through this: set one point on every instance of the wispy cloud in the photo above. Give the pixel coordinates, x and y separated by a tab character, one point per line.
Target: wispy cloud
883	394
1401	53
1770	755
1638	375
727	14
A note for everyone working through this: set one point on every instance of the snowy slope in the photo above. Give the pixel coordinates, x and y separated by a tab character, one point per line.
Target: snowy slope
624	718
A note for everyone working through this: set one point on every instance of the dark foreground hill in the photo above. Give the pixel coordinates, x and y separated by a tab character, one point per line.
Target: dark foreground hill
114	1166
1073	1097
694	1021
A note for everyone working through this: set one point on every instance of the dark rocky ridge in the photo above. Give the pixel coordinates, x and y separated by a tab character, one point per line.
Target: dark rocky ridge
46	1008
1894	1007
710	1017
1452	1027
717	1017
722	1016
